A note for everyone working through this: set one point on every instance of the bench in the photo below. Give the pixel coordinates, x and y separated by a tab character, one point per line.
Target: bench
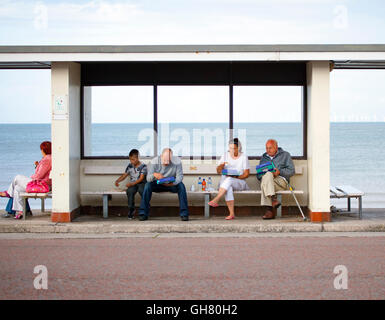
107	195
347	192
41	196
189	169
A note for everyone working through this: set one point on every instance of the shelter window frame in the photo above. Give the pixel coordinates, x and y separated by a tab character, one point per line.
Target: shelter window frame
198	74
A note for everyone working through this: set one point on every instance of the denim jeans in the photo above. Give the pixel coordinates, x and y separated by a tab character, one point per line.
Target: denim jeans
131	191
9	210
151	187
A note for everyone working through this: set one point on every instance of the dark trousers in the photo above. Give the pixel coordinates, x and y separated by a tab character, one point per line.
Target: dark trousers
151	187
131	192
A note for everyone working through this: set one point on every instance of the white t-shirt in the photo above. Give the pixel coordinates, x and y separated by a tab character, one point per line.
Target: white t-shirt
240	164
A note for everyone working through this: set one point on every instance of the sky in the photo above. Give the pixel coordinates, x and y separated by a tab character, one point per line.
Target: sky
355	95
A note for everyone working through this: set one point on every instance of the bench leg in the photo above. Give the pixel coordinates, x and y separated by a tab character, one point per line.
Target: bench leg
42	204
349	205
105	206
279	210
207	207
24	208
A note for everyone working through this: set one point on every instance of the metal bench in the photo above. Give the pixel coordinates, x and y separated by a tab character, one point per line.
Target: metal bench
107	195
348	192
41	196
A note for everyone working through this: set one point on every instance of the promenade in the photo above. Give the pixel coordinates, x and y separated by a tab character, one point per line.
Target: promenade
373	221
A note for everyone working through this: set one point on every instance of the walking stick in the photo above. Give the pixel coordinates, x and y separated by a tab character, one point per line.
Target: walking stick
295	198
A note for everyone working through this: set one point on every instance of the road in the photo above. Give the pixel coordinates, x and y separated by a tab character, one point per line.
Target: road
196	267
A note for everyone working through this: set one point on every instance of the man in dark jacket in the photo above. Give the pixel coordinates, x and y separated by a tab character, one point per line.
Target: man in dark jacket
273	181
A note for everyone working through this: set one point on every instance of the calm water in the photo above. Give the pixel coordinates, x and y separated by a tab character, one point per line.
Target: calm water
357	149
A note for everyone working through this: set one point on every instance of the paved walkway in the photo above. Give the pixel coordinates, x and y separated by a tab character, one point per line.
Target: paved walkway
373	221
292	267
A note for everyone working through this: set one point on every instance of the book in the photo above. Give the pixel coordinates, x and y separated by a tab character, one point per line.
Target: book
263	168
231	172
165	180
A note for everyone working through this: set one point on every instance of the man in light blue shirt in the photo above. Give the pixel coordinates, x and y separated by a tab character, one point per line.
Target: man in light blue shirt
164	166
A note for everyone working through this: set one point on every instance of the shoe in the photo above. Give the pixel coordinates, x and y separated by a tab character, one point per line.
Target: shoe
269	214
131	214
142	217
5	215
230	218
184	218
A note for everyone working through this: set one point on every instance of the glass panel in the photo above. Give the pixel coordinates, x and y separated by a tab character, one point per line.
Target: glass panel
193	120
268	112
118	119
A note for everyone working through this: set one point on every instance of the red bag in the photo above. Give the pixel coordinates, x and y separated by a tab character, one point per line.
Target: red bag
37	186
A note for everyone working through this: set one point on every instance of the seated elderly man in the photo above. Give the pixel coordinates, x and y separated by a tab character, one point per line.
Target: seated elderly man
164	166
274	181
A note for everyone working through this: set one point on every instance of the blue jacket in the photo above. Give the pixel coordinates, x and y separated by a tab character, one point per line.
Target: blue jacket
282	160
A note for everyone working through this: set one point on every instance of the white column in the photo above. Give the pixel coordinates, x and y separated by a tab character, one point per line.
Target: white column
318	139
65	86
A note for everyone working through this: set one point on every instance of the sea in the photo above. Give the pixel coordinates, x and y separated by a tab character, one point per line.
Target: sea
357	155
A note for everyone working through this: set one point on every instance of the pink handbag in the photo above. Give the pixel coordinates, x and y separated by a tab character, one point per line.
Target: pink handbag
37	186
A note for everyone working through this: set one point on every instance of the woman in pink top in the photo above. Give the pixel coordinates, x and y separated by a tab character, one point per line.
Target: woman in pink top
19	184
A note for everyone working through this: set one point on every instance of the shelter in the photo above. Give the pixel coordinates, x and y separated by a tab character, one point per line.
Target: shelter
75	69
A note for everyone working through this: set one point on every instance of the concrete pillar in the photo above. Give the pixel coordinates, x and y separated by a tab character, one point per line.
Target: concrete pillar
65	86
318	140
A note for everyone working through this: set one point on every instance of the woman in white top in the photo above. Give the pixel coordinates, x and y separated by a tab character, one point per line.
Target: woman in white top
234	159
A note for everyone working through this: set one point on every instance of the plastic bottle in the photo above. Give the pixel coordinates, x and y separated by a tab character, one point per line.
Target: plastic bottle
210	185
204	185
199	184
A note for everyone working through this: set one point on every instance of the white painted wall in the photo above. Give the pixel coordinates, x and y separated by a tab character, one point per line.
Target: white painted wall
65	81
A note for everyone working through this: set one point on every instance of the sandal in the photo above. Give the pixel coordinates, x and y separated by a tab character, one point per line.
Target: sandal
4	194
230	218
18	216
213	204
